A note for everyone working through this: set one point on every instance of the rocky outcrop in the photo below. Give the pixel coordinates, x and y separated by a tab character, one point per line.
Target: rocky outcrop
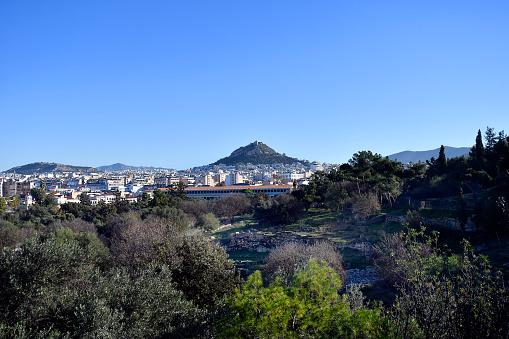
363	277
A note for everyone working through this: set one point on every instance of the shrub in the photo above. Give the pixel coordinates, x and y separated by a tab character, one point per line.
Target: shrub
200	268
441	294
287	259
208	222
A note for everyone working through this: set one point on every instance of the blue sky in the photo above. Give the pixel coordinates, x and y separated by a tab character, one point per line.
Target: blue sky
180	84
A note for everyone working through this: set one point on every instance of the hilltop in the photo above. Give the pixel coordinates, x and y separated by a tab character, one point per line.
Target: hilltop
44	167
256	153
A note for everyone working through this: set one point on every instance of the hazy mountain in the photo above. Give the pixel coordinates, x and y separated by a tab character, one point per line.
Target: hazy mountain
255	153
416	156
121	167
44	167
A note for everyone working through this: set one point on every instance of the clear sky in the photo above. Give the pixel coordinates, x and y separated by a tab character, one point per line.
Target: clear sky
179	84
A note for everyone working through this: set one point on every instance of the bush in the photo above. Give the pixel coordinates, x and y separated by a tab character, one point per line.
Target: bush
413	219
365	206
133	241
53	287
445	295
201	269
37	279
287	259
208	222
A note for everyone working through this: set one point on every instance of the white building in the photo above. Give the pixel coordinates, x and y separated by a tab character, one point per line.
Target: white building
316	166
234	178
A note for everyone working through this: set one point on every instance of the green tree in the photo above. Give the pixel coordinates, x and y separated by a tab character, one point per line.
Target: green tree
9	234
33	280
278	210
38	194
501	149
2	206
337	197
177	190
162	199
477	155
200	268
441	161
311	307
85	199
176	216
490	138
307	195
14	202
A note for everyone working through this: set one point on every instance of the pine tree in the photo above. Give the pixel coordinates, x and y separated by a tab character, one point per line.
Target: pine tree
490	138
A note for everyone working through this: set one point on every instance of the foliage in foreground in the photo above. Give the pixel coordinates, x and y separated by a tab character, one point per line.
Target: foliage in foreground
442	294
55	285
311	306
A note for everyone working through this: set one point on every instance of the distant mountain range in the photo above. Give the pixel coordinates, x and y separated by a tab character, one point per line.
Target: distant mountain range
121	167
416	156
255	153
45	167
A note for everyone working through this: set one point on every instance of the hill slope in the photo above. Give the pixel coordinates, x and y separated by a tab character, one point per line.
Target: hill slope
255	153
416	156
44	167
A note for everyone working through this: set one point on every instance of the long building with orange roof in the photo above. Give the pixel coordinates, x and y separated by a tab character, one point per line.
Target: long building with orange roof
222	191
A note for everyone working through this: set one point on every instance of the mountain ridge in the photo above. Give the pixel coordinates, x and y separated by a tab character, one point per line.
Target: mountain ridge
123	167
254	153
45	167
406	157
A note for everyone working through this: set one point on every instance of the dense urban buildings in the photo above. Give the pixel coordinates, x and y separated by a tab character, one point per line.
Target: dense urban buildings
207	182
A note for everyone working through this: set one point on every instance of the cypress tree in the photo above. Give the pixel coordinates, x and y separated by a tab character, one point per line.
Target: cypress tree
477	152
441	162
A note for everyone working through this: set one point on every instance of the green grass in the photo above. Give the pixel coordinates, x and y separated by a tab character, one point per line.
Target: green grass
313	220
354	257
439	213
396	211
242	223
247	256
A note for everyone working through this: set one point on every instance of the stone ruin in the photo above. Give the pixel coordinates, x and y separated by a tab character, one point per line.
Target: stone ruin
259	241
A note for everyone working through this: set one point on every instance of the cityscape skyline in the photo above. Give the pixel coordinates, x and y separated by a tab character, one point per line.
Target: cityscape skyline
177	85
